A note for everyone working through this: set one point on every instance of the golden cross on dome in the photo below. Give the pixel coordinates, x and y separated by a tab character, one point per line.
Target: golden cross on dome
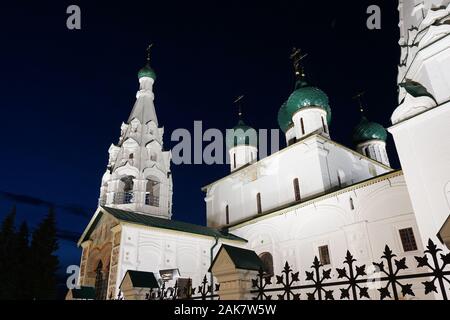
149	49
297	57
238	102
358	97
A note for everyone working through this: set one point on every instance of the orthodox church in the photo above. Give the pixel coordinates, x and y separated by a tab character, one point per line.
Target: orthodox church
313	198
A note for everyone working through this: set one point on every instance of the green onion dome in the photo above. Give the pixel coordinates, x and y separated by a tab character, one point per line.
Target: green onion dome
241	135
284	118
367	130
147	71
306	96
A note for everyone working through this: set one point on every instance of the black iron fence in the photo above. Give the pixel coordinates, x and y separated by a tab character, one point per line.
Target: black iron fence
353	281
186	291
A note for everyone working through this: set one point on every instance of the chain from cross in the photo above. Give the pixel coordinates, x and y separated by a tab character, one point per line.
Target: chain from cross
358	97
297	57
149	49
237	102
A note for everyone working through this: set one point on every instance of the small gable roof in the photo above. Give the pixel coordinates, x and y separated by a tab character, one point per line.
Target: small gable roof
242	258
141	279
85	293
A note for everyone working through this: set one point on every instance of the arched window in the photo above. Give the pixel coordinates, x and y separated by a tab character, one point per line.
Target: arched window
302	125
341	178
267	261
125	194
101	282
297	190
324	255
371	152
352	205
324	126
234	160
128	183
227	214
152	191
258	203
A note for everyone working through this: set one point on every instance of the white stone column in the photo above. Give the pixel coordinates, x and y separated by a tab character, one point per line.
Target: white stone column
235	284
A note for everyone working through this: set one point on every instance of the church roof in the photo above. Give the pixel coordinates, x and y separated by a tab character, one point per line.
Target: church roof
367	130
144	110
306	96
155	222
284	118
242	258
242	136
147	71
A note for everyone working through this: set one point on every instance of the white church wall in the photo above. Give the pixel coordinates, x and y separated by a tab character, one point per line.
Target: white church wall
272	178
374	149
377	212
242	155
421	123
342	168
152	250
308	120
427	172
315	161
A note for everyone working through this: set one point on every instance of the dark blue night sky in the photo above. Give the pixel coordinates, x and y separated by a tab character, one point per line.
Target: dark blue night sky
64	94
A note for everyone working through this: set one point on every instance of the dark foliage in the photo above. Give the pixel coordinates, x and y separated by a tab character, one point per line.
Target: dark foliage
28	270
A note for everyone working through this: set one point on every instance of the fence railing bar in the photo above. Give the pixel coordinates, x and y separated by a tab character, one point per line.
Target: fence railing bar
347	282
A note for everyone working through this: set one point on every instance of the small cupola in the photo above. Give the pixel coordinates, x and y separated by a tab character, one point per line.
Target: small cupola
307	109
147	71
367	130
241	142
370	138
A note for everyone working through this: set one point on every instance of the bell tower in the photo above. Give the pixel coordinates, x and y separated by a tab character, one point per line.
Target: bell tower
138	176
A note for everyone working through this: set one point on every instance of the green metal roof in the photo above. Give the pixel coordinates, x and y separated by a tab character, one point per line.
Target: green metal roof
149	221
147	71
243	135
416	89
304	96
308	96
142	279
284	118
242	258
367	130
86	293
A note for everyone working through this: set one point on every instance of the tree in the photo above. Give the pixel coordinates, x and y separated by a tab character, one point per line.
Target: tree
7	256
44	261
23	267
